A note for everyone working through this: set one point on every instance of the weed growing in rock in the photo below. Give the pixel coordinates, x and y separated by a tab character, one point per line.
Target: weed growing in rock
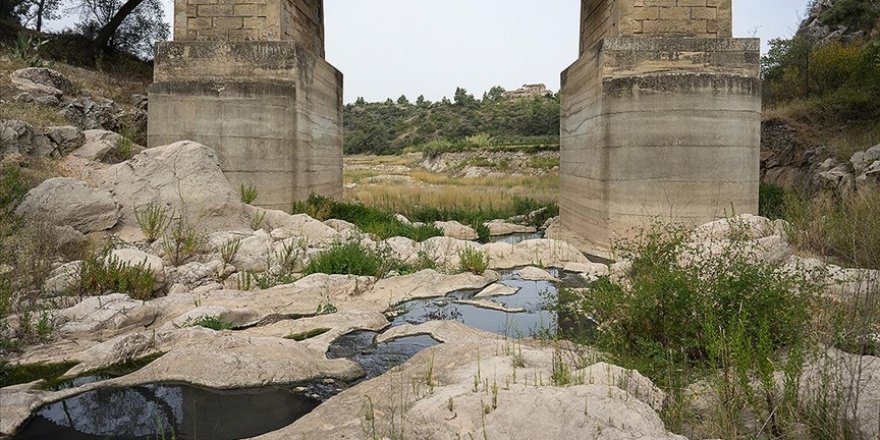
248	193
352	259
181	243
101	273
214	323
473	260
153	220
229	250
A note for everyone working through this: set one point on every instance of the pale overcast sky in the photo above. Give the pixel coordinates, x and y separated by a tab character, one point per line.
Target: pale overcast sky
387	48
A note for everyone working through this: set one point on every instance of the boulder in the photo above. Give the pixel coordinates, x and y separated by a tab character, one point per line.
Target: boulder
196	274
66	139
66	201
454	229
403	249
41	81
19	137
89	114
501	227
313	232
186	178
863	159
97	145
534	274
109	312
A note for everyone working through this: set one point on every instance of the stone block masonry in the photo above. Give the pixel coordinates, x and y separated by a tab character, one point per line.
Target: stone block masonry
654	18
660	120
248	79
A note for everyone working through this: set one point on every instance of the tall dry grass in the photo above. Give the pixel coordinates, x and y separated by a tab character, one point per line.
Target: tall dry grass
844	228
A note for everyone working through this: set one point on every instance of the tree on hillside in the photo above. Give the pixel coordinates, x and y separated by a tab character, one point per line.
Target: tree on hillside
132	26
495	94
463	98
35	12
403	100
422	102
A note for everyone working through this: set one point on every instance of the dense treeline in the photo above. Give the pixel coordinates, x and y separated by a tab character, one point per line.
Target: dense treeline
391	126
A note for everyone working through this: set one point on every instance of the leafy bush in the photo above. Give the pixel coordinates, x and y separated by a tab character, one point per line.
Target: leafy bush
370	220
100	274
473	260
351	259
672	315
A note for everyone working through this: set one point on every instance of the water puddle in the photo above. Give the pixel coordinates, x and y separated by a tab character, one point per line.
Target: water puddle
168	411
532	318
376	359
517	238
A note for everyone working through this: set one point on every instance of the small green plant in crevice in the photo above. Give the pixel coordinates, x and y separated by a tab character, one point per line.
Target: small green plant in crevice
258	221
122	151
101	273
309	334
248	193
325	308
181	242
213	323
153	220
229	250
473	260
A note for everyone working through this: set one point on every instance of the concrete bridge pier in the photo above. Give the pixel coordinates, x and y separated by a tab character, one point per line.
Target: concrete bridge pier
248	78
660	120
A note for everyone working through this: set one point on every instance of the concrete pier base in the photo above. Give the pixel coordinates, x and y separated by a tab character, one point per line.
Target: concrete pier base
272	111
658	129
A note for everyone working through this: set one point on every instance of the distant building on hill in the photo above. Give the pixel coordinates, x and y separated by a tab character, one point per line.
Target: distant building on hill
528	91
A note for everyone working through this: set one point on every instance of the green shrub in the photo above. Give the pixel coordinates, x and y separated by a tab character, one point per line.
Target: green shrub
214	323
484	235
857	15
771	201
473	260
370	220
673	316
544	163
100	274
351	259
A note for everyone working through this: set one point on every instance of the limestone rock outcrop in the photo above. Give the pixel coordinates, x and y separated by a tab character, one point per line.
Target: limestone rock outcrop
184	177
66	201
41	81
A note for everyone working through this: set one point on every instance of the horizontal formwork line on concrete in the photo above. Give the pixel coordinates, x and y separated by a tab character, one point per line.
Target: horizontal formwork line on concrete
682	110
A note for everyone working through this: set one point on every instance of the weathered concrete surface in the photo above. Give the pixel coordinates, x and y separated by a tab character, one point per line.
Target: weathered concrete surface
271	110
663	122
